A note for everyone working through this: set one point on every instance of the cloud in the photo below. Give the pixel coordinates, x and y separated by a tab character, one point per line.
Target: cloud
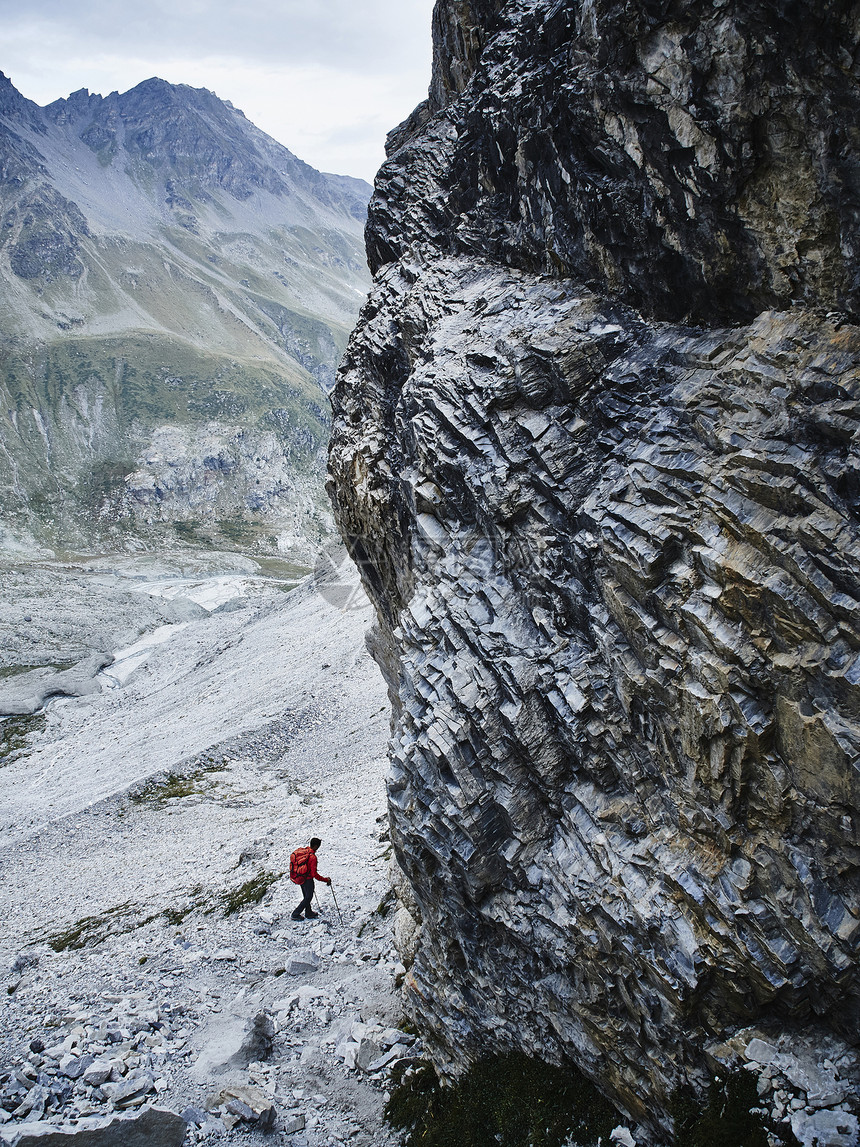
327	78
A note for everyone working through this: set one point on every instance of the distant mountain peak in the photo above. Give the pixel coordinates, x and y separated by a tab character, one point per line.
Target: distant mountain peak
177	269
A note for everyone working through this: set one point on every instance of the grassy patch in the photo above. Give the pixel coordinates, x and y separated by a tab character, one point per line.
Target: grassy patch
7	671
509	1100
731	1117
92	930
176	913
176	785
16	670
187	531
385	905
227	902
238	531
251	892
15	733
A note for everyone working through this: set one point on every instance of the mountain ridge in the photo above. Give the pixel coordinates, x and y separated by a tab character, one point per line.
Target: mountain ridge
162	217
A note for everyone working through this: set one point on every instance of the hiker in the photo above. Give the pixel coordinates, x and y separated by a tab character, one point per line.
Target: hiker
303	871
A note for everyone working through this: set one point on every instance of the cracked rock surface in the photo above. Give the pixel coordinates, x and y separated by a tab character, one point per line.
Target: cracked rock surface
595	453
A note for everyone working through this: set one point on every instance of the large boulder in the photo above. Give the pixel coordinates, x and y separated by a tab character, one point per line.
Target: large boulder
595	453
152	1127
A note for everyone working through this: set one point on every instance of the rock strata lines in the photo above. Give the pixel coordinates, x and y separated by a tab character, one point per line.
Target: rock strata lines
602	483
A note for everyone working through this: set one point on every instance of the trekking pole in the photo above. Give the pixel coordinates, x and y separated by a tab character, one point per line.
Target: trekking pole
337	906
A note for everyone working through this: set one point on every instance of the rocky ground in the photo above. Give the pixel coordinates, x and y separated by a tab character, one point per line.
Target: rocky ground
149	957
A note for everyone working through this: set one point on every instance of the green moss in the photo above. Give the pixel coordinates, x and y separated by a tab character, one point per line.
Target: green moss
237	530
251	892
509	1100
187	531
15	733
730	1117
91	930
17	670
105	482
386	903
175	916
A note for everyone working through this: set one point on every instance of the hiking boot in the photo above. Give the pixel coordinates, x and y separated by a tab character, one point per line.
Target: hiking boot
311	915
296	916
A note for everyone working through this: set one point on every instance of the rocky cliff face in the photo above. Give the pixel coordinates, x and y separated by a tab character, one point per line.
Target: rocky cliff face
595	449
177	290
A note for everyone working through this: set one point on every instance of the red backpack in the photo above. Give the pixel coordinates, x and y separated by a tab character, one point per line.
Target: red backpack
300	865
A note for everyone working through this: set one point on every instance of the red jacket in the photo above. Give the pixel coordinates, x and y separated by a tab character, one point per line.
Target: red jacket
308	857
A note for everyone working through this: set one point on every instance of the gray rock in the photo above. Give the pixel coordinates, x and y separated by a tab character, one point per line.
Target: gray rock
613	555
302	963
258	1041
393	1053
248	1104
294	1123
132	1090
368	1053
761	1052
153	1127
73	1066
97	1073
826	1129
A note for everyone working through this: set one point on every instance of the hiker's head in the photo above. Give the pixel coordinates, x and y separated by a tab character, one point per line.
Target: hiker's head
315	842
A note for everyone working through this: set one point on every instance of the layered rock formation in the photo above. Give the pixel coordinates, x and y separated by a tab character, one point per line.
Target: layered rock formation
177	290
595	451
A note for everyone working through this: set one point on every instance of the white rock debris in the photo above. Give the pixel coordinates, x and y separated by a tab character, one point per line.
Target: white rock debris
149	961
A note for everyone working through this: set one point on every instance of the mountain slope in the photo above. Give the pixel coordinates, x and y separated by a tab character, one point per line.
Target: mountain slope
176	291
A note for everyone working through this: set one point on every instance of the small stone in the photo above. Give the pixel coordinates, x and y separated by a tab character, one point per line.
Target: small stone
622	1136
827	1099
73	1067
293	1124
303	962
347	1050
258	1041
133	1089
249	1104
237	1107
368	1053
760	1052
97	1073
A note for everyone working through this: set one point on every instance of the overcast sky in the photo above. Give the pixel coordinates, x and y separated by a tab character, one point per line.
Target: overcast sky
327	78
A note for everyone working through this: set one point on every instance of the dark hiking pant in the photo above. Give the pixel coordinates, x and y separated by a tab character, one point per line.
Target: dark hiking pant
307	897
